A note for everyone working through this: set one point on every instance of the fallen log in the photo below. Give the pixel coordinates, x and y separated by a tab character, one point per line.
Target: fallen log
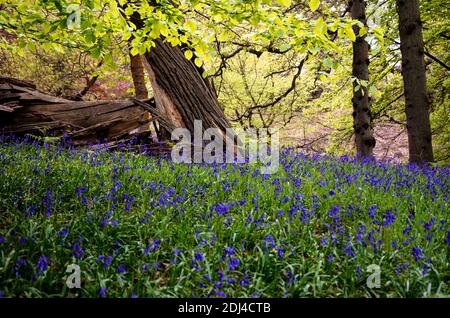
26	110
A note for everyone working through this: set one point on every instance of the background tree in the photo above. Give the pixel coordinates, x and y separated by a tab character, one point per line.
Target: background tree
414	78
360	69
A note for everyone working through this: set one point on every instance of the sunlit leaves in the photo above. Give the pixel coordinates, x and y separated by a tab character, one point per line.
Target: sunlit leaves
190	26
198	62
349	32
320	29
284	3
314	5
188	54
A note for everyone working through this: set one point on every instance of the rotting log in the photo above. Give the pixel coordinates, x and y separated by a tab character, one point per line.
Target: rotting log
26	110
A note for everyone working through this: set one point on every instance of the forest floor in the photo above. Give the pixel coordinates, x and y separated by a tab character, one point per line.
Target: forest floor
141	226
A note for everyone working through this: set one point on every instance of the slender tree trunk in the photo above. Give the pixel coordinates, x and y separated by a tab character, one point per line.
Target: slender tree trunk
138	75
365	142
413	71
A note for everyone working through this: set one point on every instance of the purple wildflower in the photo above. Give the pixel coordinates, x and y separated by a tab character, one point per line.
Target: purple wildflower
77	250
121	269
41	266
233	263
102	292
199	257
417	253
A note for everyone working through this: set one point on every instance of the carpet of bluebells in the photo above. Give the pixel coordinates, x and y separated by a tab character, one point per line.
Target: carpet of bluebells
142	226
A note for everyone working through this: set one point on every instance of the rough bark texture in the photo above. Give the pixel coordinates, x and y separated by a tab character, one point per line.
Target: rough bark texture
138	75
25	110
413	71
365	142
180	90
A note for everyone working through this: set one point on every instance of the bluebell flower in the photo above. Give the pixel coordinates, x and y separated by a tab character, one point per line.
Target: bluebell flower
269	240
144	268
280	253
407	229
2	239
102	292
348	249
330	258
245	281
447	240
398	270
220	294
77	250
389	218
198	257
427	226
2	294
41	266
64	232
23	240
21	262
229	250
233	263
207	277
221	209
121	269
373	211
417	253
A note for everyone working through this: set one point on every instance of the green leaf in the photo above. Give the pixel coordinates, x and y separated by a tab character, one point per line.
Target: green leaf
134	51
95	52
190	26
156	30
188	54
285	47
320	28
314	5
350	33
198	62
284	3
223	36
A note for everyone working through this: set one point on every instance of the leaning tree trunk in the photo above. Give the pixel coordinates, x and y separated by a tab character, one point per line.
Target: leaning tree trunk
179	88
138	75
361	108
413	71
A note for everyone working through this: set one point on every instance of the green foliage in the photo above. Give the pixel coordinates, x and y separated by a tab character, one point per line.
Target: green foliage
73	207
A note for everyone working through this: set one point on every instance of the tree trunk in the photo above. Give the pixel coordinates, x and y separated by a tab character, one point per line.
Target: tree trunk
138	75
413	71
179	88
365	142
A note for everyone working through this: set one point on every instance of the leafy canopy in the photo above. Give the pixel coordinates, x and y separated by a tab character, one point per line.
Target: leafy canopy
98	26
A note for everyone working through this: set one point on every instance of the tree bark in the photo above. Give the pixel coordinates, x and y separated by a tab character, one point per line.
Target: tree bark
138	75
414	79
179	88
365	142
182	91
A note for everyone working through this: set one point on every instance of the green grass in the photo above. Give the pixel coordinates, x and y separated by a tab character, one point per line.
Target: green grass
276	224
